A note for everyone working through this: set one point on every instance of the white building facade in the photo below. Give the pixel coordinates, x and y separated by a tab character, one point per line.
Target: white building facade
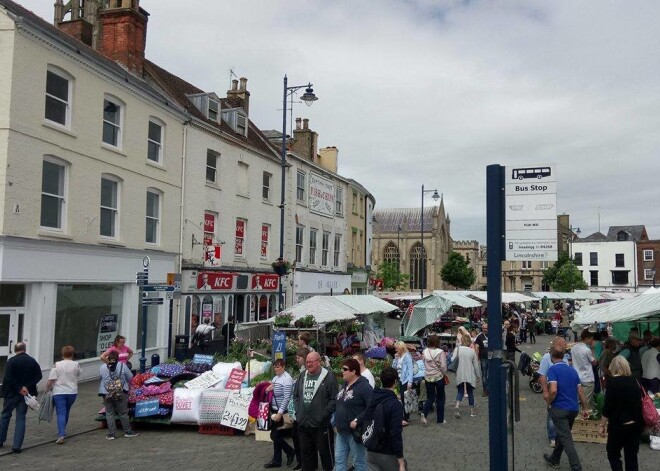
606	265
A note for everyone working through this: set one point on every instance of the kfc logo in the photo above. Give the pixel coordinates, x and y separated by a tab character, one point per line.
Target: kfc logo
265	282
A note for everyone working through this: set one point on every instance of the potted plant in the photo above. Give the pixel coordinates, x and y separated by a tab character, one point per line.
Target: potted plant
305	321
281	267
283	320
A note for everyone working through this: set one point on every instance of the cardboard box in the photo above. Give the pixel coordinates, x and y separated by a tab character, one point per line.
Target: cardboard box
262	435
588	431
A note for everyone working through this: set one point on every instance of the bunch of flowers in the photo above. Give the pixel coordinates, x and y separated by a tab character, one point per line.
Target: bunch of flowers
281	266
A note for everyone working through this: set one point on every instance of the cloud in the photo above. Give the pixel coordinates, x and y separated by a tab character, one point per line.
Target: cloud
431	92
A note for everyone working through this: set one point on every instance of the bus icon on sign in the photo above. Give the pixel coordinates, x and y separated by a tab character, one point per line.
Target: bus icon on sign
531	172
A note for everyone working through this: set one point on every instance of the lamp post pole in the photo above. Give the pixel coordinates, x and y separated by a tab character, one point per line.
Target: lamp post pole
422	256
308	98
398	247
575	231
653	273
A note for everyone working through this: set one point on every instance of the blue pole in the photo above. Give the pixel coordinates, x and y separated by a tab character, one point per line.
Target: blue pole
496	386
280	295
420	268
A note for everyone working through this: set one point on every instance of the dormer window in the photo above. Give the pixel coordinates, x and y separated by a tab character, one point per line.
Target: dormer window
236	119
622	235
208	104
212	113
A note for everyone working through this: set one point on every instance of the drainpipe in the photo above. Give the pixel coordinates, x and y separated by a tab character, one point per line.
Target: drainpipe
184	148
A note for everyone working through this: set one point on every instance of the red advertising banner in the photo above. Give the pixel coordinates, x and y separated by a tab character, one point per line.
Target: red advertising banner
209	223
240	228
235	379
215	281
238	246
264	233
265	282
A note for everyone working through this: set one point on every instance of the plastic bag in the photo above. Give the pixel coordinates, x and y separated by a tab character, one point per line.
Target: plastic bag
32	402
655	442
410	401
46	407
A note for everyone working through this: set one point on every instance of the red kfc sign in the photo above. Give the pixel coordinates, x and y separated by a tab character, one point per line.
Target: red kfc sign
209	223
215	281
265	282
264	240
240	228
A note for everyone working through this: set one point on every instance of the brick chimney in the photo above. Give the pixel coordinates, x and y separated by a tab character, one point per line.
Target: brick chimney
305	141
238	96
123	33
81	20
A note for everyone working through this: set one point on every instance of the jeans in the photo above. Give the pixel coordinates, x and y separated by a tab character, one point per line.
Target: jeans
344	444
523	335
11	403
279	445
550	425
312	441
484	373
63	403
118	408
435	393
626	437
563	420
461	392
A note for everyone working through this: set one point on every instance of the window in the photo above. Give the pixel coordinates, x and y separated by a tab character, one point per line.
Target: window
578	259
300	232
354	244
155	141
593	278
239	245
619	277
312	246
527	264
339	201
112	122
212	112
265	192
512	265
484	271
242	180
153	217
619	260
648	274
391	254
513	283
211	167
648	255
58	98
109	207
593	259
527	286
354	205
361	209
325	246
545	264
265	233
337	249
236	119
300	186
241	124
53	184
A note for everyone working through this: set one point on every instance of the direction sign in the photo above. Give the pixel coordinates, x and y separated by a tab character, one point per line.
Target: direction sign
152	301
531	212
159	288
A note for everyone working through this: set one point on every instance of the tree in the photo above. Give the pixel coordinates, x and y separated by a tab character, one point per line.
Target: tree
550	274
392	277
568	278
457	272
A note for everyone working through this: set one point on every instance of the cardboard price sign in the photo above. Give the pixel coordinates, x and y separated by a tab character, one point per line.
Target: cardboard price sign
235	379
236	412
203	381
146	408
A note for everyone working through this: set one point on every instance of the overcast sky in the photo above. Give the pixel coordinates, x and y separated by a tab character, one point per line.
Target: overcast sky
432	91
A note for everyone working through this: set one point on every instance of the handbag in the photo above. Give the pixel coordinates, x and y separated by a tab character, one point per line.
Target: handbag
32	402
453	366
264	422
649	412
410	401
445	378
285	423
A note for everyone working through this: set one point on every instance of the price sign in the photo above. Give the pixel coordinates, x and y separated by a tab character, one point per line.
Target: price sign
206	359
203	381
146	408
236	412
279	345
235	379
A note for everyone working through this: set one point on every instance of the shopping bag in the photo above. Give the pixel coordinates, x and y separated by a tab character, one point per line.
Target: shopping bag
32	402
410	401
46	407
263	416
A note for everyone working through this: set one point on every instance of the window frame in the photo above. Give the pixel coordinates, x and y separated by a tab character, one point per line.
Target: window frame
648	252
593	259
300	237
216	110
115	210
301	193
243	239
265	240
619	260
313	239
62	198
160	145
577	259
110	99
591	278
157	218
648	274
325	247
337	249
266	182
211	153
339	201
68	103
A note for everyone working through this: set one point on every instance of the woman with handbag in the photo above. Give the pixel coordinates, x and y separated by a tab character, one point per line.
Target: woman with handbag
63	382
468	373
404	366
622	415
435	367
352	401
282	388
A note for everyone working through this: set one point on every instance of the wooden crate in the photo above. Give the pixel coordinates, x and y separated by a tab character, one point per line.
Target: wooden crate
588	431
216	429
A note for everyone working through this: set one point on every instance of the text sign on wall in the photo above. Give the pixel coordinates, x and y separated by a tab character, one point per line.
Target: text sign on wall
215	281
321	195
531	212
107	332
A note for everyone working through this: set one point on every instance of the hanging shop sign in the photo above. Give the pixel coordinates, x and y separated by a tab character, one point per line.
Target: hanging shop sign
265	282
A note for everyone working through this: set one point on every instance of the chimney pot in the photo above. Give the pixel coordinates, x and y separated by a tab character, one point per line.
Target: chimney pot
234	85
298	121
306	123
243	84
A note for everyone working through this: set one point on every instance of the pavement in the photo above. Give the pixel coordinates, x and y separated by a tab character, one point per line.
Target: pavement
460	444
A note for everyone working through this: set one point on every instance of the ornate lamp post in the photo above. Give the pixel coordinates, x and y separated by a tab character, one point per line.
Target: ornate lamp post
309	98
422	277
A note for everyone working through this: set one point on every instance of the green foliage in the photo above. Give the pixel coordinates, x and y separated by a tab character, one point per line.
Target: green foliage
550	274
306	321
457	272
283	320
568	278
392	277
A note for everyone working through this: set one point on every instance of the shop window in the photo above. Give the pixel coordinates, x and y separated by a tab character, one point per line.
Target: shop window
619	277
12	295
79	313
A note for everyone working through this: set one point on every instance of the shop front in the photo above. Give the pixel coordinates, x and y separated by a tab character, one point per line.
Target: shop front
359	281
307	284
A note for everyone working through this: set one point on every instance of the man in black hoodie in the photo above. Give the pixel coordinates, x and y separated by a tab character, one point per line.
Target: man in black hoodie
386	454
21	377
314	397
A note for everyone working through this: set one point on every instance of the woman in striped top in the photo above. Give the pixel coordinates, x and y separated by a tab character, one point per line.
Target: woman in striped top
282	387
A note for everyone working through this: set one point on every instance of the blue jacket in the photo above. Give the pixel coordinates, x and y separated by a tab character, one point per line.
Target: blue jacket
404	366
352	403
124	373
393	416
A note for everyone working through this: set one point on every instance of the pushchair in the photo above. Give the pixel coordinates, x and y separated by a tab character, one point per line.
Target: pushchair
529	367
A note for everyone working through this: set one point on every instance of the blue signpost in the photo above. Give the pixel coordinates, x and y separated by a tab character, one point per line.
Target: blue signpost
279	345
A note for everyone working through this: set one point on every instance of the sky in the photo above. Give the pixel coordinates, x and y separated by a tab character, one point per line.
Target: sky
431	92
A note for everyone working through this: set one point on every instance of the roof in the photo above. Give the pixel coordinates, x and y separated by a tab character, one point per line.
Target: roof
626	310
636	232
595	237
457	298
408	219
426	312
179	90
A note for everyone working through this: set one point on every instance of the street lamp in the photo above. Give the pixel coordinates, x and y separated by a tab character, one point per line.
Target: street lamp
309	98
422	277
398	247
575	231
653	274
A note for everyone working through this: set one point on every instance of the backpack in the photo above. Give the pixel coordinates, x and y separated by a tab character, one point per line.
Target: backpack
114	387
374	435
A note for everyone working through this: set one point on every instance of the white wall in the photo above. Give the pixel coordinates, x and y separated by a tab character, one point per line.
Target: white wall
607	262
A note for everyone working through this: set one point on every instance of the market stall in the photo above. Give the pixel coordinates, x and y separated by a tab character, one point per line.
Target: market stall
645	307
430	309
